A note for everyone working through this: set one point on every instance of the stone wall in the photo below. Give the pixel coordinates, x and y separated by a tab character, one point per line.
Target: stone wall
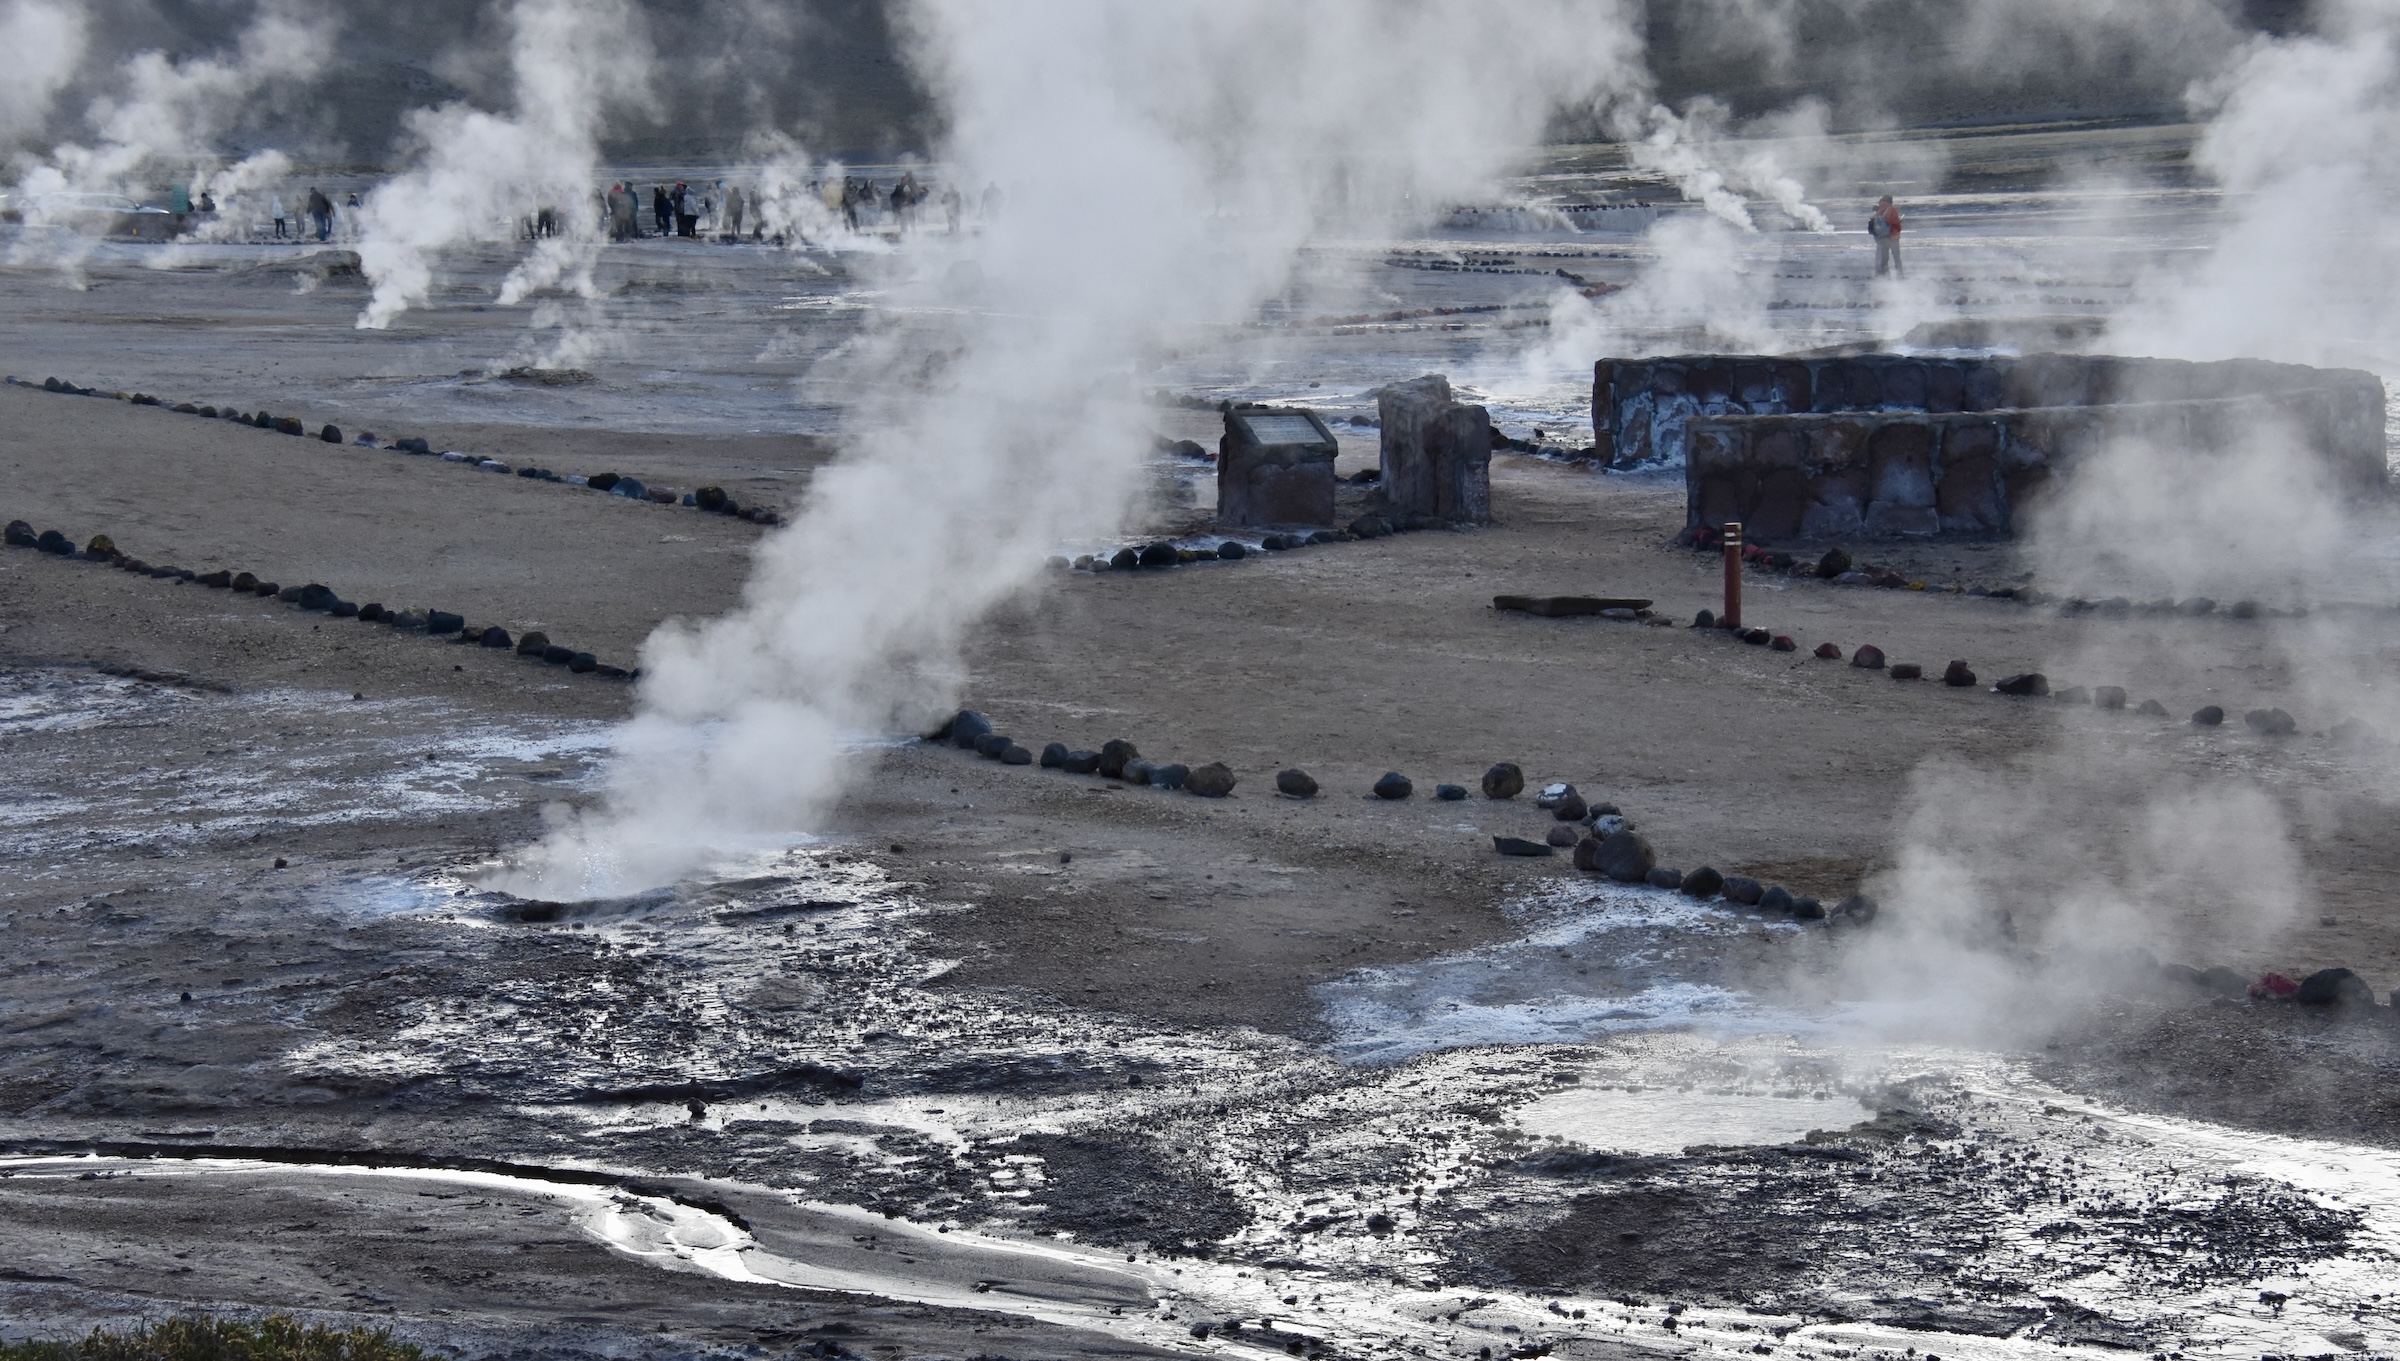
1886	445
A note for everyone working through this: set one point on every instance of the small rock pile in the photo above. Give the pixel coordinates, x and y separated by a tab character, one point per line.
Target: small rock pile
318	598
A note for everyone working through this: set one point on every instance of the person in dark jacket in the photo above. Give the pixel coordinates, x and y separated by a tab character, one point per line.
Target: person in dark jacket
320	211
662	213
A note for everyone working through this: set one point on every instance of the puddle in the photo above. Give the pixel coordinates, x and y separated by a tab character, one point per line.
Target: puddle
1654	1121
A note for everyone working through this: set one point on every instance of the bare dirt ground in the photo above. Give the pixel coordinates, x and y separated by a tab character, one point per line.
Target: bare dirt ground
150	984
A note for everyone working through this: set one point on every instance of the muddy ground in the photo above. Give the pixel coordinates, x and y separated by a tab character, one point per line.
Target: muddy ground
199	951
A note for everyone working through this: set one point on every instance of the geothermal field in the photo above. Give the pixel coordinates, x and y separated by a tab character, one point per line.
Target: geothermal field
1332	680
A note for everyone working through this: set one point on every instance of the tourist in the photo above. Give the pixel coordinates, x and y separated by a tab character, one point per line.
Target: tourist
952	205
275	210
1884	226
734	207
687	210
662	213
320	212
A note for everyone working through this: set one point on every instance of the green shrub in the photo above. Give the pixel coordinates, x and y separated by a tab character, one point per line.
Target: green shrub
278	1337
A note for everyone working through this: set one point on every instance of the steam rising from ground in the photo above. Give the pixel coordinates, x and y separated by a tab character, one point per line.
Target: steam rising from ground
1162	164
482	176
169	118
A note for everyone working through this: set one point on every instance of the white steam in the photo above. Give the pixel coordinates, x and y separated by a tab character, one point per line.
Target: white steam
1164	163
167	123
44	40
481	176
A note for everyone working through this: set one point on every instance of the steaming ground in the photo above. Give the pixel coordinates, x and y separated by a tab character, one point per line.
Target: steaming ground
1303	1064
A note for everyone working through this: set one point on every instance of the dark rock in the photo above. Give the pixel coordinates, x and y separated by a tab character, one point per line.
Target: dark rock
20	535
2108	697
1297	783
2246	609
2198	605
1958	674
2208	716
51	541
989	745
1321	538
1450	793
315	596
1551	795
1173	775
1858	907
2073	694
1517	845
2270	722
101	548
1571	808
602	481
1081	763
1160	555
1114	753
1054	755
1868	657
1747	892
583	663
1564	835
1503	781
468	637
1907	671
558	656
371	612
267	588
710	499
1016	756
1808	910
1705	619
2152	709
343	609
1211	781
1776	901
2032	683
1754	637
289	595
1662	877
1833	564
1829	651
2334	988
1393	785
1703	883
1125	558
331	434
442	621
1276	543
289	425
496	637
532	642
1369	527
2220	981
966	726
409	620
1233	550
1137	771
1626	857
1783	643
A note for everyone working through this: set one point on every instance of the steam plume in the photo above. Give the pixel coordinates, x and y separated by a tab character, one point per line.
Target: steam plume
479	176
44	40
1162	164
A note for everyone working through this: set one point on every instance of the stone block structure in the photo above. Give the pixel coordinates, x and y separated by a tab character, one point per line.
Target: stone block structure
1882	445
1275	467
1437	454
